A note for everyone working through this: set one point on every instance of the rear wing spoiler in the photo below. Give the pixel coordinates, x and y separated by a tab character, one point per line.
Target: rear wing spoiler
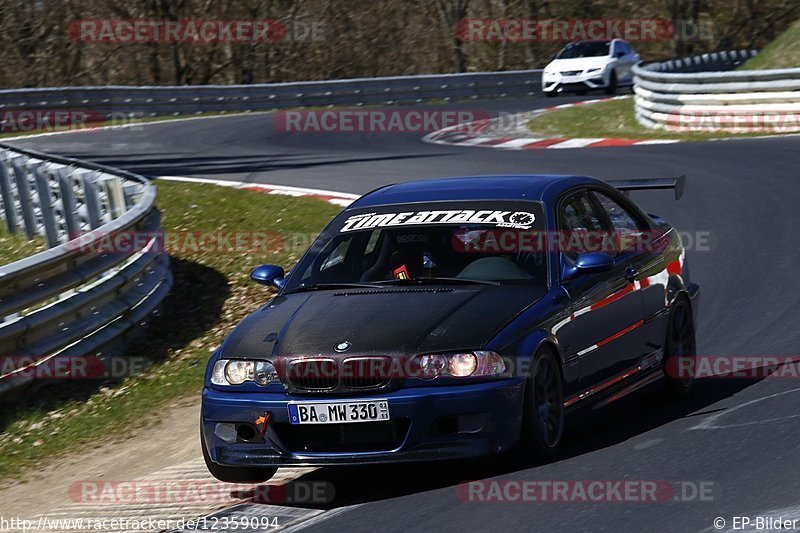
646	184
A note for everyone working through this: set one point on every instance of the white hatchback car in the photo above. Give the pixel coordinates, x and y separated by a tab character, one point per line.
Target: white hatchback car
586	65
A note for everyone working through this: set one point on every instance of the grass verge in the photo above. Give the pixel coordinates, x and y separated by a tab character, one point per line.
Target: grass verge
783	52
211	294
16	246
613	118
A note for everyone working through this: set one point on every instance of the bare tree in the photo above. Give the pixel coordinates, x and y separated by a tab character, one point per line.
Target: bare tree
375	38
451	13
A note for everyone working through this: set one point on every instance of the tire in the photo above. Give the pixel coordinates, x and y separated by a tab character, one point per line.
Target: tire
543	411
550	94
679	343
235	474
612	84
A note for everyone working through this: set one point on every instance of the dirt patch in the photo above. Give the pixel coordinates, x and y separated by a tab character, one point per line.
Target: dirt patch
175	439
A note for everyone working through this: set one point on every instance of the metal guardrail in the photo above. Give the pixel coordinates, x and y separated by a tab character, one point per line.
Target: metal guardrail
115	101
715	61
704	93
82	295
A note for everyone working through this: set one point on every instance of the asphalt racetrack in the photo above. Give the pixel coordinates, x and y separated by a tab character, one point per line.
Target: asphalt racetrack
741	209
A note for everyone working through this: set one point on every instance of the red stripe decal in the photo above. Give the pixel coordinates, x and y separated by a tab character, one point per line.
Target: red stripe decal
613	298
620	333
604	385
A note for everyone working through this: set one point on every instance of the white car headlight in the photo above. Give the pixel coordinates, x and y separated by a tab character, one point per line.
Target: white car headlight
236	372
591	70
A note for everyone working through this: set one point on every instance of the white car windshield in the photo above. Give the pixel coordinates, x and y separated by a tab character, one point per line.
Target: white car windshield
585	49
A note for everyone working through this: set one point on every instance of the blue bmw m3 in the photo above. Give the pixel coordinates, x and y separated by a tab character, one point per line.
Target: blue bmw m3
449	319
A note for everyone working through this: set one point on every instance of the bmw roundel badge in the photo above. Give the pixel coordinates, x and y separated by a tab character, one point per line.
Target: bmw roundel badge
342	346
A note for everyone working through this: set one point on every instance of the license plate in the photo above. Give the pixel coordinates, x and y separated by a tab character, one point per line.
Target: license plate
338	412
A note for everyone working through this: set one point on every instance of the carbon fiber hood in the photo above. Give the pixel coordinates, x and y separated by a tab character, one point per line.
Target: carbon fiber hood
395	321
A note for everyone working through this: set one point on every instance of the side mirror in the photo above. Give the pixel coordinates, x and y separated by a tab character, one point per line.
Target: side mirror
589	263
270	275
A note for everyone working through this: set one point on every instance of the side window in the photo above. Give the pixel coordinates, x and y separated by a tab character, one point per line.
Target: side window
627	229
579	223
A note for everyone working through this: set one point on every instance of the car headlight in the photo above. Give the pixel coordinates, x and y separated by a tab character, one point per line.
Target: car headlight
591	70
460	365
432	365
236	372
265	373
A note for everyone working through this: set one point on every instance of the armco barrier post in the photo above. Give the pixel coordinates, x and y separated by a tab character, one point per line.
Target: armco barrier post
68	205
89	186
25	200
46	207
7	190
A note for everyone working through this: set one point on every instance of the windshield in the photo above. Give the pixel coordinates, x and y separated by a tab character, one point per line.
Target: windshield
585	49
494	243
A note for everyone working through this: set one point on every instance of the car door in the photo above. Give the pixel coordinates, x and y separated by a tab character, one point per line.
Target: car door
649	263
630	231
604	328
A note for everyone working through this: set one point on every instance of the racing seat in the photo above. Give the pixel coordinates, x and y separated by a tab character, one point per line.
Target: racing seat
396	254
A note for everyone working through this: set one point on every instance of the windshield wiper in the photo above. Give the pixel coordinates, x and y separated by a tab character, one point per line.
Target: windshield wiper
435	280
326	286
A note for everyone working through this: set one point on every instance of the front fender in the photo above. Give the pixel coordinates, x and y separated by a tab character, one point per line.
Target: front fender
530	331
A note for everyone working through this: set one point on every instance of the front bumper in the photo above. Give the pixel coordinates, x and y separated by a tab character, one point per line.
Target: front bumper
428	423
581	82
